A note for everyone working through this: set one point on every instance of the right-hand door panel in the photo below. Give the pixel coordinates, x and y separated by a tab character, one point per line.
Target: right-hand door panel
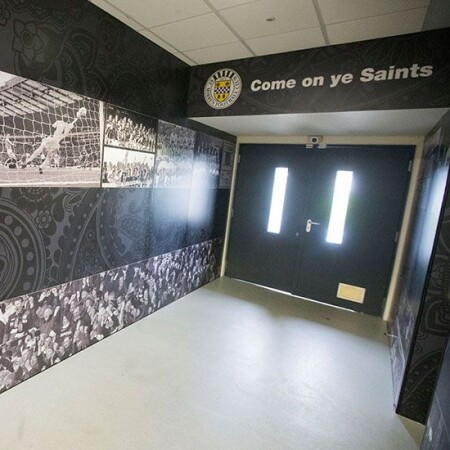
355	210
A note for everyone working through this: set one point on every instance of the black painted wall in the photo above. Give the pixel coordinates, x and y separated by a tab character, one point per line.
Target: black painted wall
421	319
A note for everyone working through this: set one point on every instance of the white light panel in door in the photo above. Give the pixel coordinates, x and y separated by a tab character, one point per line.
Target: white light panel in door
277	203
341	196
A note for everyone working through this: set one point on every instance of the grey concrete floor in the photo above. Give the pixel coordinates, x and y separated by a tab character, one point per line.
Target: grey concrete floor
230	366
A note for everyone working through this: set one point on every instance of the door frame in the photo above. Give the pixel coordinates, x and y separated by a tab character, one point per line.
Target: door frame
407	220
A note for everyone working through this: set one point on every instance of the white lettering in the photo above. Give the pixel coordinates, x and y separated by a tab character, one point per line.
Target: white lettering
335	80
347	78
367	74
426	71
290	84
258	85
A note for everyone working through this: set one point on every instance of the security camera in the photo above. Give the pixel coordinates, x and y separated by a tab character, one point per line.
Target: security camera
314	139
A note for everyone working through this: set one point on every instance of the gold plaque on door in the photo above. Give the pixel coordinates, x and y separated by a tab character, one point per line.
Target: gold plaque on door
352	293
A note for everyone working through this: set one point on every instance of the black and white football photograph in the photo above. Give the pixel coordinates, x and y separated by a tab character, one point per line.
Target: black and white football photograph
207	154
226	166
48	136
127	168
175	155
126	129
41	329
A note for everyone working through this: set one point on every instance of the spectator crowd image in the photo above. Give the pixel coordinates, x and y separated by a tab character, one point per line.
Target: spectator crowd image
207	160
127	168
130	130
41	329
175	155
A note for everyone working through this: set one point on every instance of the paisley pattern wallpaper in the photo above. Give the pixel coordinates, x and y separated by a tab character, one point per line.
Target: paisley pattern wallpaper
437	433
78	264
421	321
50	236
74	45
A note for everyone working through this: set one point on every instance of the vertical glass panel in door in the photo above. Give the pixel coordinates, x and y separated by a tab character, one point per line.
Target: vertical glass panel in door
270	200
358	196
339	207
277	202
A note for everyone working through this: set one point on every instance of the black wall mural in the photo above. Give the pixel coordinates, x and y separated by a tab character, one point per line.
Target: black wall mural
401	72
76	46
51	236
130	146
41	329
175	156
421	320
48	136
437	433
127	130
77	263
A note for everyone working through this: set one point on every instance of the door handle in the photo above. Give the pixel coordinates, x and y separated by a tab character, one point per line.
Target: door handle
309	224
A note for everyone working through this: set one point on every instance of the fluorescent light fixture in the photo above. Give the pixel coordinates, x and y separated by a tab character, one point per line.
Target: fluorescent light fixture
277	204
341	196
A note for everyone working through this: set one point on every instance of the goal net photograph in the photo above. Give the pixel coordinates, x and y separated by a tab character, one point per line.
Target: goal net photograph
48	136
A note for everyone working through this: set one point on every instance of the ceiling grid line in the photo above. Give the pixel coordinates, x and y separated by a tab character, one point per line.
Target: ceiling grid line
125	14
321	22
373	16
210	31
225	22
149	30
178	20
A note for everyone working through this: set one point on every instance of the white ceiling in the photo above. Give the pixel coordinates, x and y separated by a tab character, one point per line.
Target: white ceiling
206	31
412	122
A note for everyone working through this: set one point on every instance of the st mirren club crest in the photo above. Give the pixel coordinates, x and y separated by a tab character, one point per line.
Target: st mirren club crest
222	88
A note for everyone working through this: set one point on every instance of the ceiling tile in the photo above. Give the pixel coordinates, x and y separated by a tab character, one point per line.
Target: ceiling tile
185	59
222	4
198	32
152	13
286	42
344	10
117	14
226	52
377	27
149	35
249	20
413	122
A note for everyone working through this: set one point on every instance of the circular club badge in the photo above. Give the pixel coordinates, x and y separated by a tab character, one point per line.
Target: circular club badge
222	88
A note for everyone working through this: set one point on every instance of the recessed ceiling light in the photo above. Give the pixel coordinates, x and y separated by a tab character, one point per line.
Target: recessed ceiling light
271	19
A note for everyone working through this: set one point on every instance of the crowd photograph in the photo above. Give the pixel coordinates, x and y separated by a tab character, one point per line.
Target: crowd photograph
41	329
175	155
130	130
207	161
127	168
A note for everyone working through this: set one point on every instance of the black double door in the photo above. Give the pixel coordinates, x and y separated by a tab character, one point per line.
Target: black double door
319	223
